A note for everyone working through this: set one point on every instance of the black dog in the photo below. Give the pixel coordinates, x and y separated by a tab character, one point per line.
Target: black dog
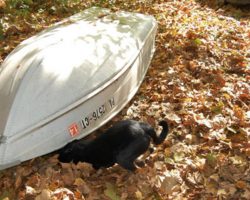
121	144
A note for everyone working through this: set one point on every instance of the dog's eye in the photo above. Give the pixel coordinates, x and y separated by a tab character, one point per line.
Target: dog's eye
69	150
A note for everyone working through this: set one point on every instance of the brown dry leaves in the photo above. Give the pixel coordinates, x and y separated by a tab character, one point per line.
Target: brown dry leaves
198	81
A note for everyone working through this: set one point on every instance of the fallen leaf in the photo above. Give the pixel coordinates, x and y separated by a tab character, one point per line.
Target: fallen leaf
172	117
179	156
138	195
217	109
18	182
63	193
30	190
68	178
169	181
241	185
2	4
111	192
34	180
211	160
246	194
45	195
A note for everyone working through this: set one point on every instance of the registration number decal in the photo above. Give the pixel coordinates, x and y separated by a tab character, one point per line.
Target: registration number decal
75	128
97	113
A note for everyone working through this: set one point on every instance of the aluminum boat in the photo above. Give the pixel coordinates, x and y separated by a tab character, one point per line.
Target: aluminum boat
70	79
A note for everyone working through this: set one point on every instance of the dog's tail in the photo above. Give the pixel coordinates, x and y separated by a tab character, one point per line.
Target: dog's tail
159	139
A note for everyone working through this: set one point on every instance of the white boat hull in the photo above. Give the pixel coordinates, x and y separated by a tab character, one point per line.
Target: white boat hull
79	118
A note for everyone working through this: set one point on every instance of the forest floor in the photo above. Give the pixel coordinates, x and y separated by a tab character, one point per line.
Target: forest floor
198	81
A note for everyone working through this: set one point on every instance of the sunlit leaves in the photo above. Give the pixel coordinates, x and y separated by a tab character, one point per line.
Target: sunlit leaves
218	107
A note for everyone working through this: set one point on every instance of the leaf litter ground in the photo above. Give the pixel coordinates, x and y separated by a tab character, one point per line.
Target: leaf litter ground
198	81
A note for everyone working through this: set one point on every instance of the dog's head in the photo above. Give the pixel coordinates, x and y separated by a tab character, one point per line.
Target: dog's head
71	152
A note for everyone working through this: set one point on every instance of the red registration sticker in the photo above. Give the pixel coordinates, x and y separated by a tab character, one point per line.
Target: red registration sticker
73	130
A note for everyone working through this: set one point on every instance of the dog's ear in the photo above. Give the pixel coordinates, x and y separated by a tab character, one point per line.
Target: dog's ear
66	153
68	150
74	148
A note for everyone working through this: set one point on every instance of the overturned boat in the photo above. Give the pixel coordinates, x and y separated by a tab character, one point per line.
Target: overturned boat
70	79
